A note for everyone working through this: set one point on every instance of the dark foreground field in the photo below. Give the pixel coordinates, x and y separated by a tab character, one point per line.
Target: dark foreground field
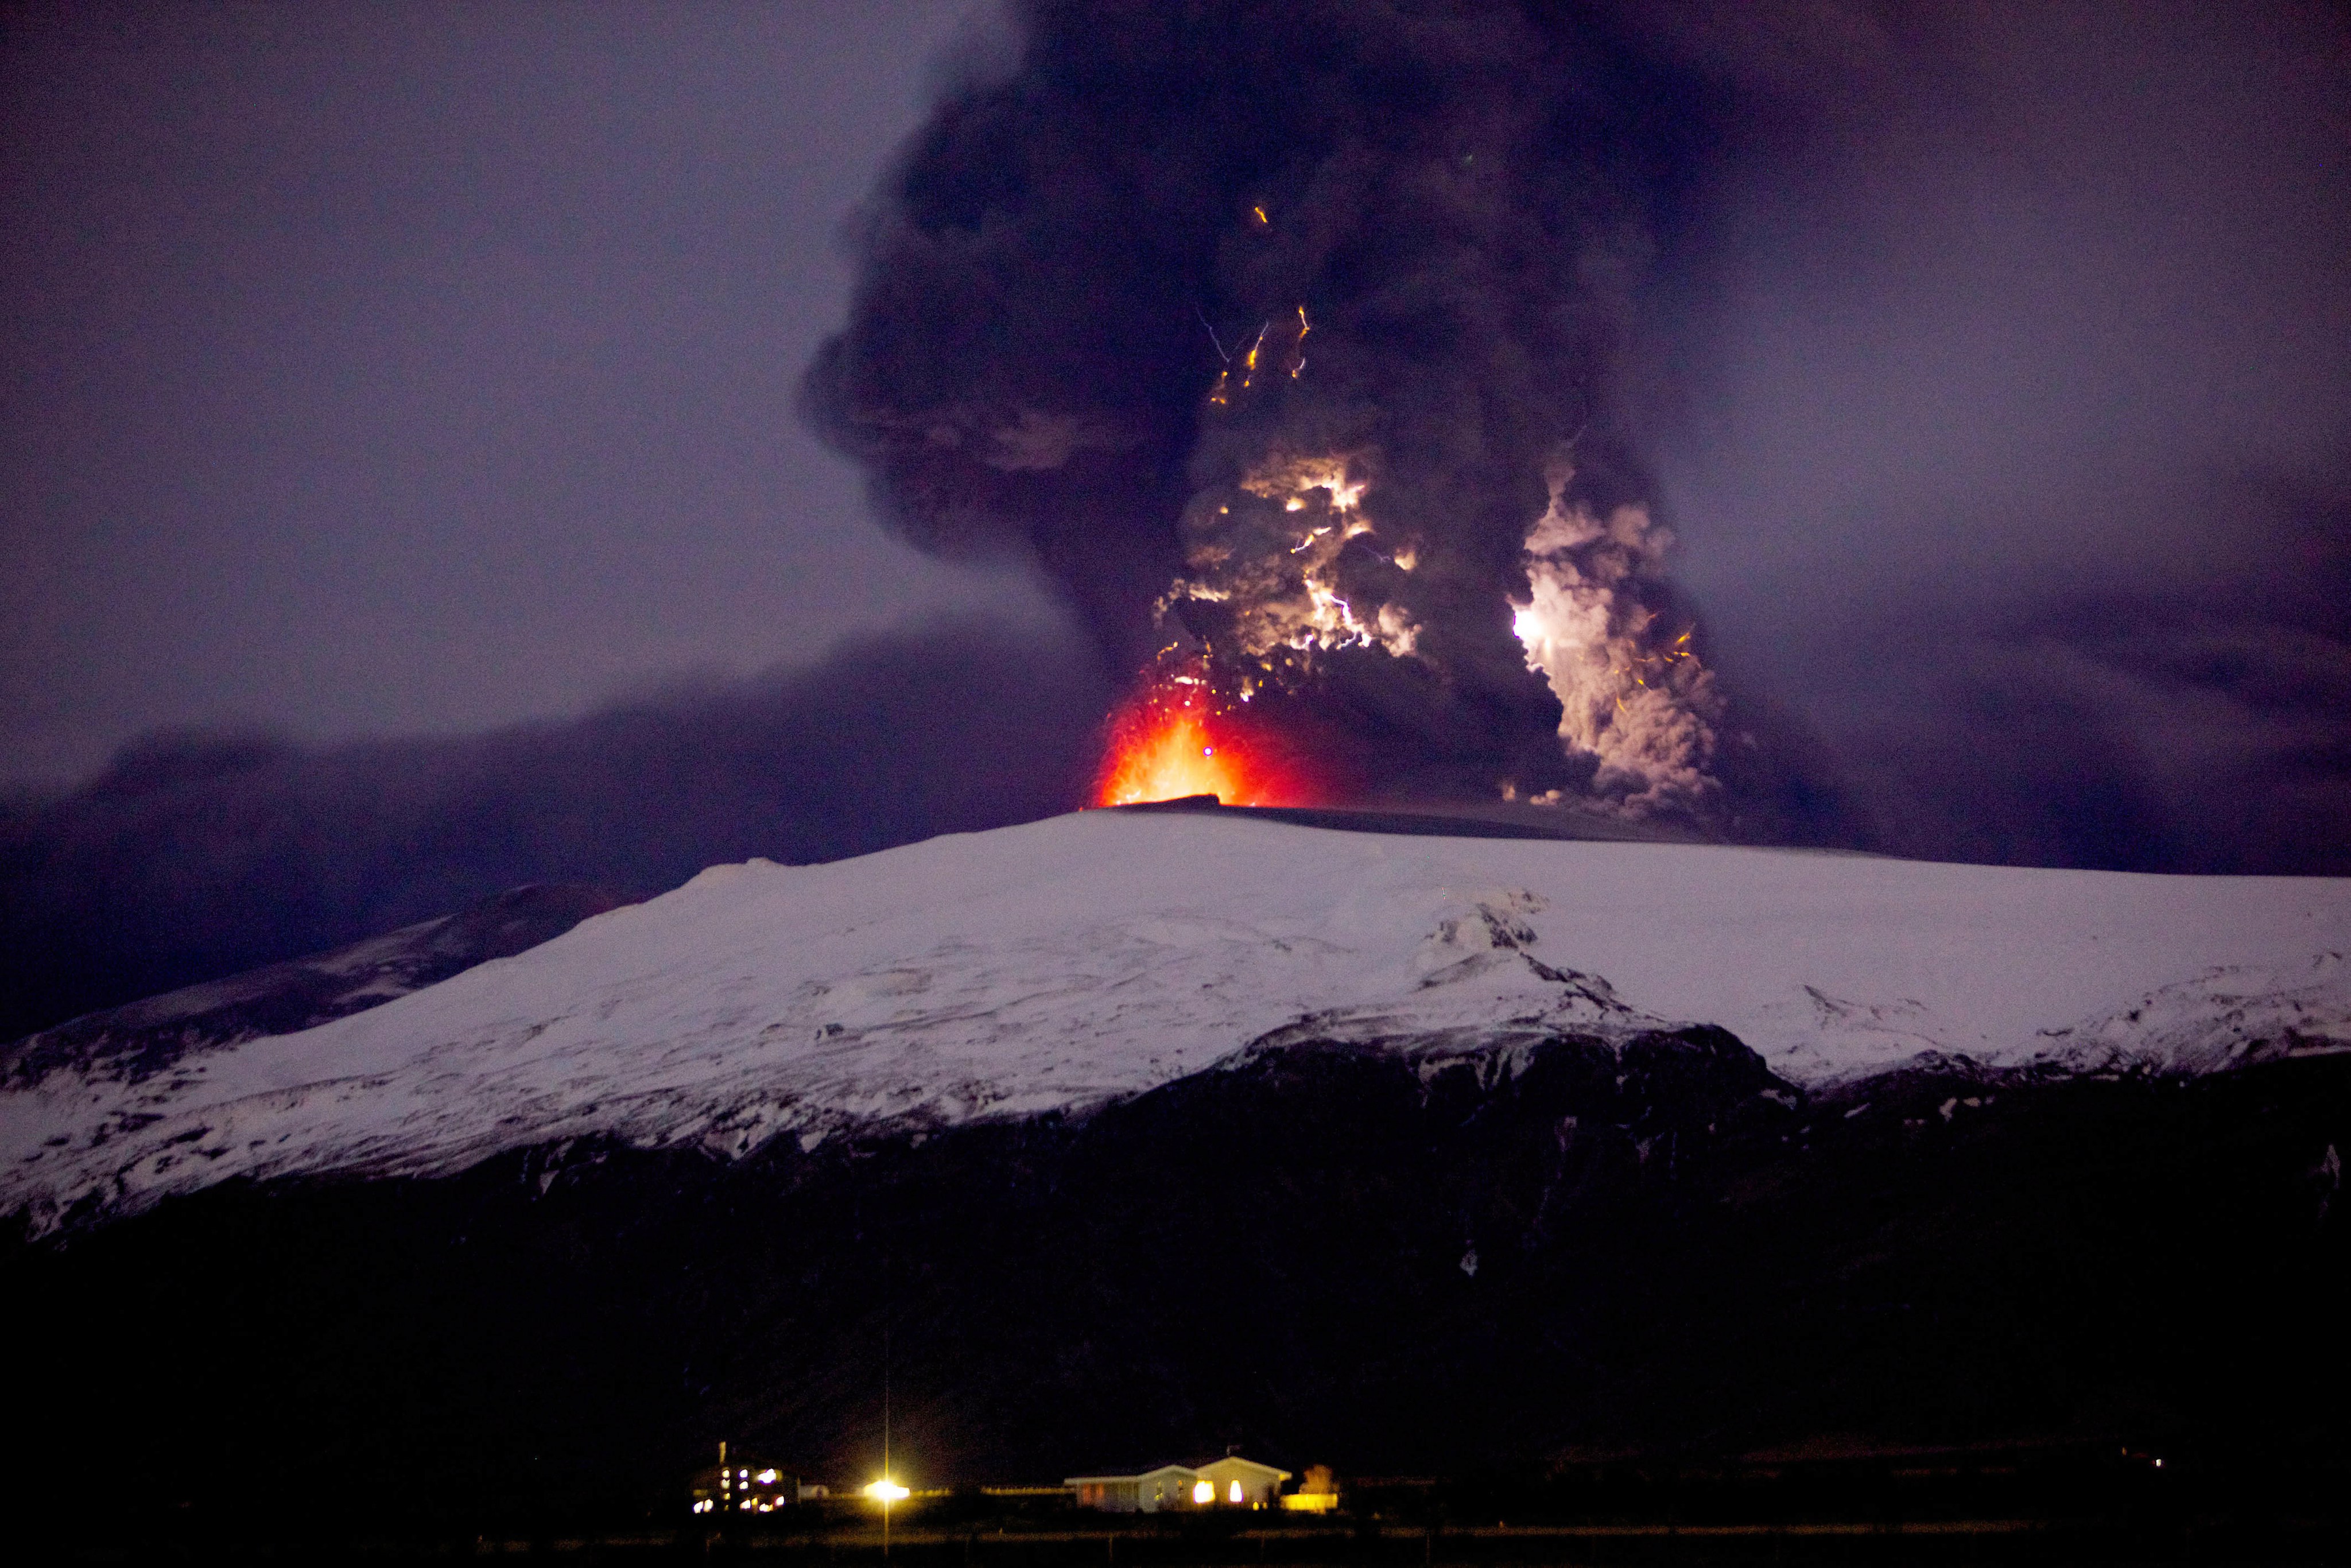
2026	1542
1641	1296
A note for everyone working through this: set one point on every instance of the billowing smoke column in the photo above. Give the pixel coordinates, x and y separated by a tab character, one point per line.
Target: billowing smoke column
1290	338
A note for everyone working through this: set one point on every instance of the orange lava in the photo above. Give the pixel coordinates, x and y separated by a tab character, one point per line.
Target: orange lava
1174	738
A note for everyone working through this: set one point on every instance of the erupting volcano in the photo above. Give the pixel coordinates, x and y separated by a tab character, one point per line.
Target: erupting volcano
1178	736
1082	339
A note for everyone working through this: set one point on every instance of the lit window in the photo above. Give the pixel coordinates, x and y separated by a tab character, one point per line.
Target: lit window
1236	1494
1205	1493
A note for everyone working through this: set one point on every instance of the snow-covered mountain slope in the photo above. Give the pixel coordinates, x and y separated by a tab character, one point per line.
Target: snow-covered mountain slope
1075	960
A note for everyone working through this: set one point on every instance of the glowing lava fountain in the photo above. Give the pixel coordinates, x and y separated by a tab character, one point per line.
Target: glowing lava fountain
1176	736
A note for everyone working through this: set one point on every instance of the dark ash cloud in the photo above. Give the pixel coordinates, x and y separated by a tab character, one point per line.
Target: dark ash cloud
199	854
1294	320
1941	334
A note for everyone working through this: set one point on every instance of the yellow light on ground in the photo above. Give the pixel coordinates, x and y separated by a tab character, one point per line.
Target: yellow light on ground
887	1491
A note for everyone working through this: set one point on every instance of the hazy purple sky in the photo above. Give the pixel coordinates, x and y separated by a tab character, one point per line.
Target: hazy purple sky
388	368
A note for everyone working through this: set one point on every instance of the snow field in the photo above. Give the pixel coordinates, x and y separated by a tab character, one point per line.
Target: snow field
1066	962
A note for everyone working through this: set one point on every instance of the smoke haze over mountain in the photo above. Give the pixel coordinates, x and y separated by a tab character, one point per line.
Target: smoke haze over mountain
202	854
2008	425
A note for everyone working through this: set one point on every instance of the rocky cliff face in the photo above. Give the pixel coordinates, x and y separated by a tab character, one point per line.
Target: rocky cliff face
1385	1255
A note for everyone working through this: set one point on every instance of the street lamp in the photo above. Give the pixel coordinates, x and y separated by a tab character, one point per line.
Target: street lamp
886	1491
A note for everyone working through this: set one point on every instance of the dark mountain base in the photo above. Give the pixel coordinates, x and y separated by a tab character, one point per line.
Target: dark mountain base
1317	1255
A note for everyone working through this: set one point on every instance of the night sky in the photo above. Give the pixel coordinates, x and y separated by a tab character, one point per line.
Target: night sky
408	486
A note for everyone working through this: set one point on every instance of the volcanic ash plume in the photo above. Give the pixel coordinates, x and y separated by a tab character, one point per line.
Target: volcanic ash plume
1630	695
1263	328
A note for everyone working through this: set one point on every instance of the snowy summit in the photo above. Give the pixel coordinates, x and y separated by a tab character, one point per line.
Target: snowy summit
1060	965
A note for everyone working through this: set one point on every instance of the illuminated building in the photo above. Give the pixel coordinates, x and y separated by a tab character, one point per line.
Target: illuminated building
740	1485
1229	1482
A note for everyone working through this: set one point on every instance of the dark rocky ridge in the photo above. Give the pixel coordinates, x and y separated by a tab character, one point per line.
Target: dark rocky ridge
1672	1252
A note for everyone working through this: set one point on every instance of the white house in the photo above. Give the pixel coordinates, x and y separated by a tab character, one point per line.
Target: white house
1230	1482
1169	1486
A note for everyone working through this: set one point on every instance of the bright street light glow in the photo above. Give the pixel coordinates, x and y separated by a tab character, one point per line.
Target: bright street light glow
887	1491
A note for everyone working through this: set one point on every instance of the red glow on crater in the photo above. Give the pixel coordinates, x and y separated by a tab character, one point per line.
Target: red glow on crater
1177	736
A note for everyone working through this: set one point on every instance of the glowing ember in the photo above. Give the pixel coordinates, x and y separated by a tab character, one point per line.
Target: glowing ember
1176	738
